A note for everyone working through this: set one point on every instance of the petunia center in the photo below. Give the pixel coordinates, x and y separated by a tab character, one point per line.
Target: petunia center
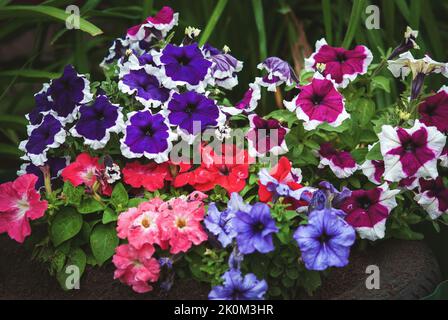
364	202
23	206
431	109
181	223
409	146
323	238
341	57
183	60
224	170
149	131
258	227
190	108
146	223
316	99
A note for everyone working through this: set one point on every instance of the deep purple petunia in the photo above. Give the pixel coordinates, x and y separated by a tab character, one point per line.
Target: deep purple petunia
433	197
53	165
336	196
239	287
340	64
50	134
340	162
266	136
193	112
97	121
42	106
255	229
411	152
68	92
116	51
326	240
185	65
143	82
434	110
147	135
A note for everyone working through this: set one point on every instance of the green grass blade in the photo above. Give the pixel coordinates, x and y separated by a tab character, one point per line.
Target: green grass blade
146	8
29	73
416	6
212	22
326	10
404	9
355	17
433	29
259	21
55	13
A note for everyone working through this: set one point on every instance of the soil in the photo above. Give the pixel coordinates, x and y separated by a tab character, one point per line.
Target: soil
407	270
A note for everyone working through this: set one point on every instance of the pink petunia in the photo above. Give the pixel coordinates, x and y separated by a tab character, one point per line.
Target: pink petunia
444	157
411	152
434	110
85	170
342	65
319	102
433	197
368	210
266	136
373	170
19	203
154	27
136	267
340	162
181	225
150	176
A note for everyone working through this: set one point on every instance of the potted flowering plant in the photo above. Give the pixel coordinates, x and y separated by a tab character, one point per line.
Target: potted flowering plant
156	170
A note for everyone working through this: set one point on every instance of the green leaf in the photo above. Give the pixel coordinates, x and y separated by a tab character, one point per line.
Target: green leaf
259	21
90	205
73	195
365	111
66	224
77	258
359	154
355	17
212	21
119	197
103	242
382	83
109	215
441	292
29	73
134	202
375	153
343	127
53	12
326	12
310	281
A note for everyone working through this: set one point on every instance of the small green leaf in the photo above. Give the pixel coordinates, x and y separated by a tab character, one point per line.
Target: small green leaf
120	197
365	110
90	205
66	224
77	258
343	127
109	215
73	195
441	292
381	82
103	242
375	153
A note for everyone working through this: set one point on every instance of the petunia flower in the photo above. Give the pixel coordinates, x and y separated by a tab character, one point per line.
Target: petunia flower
433	197
221	223
319	102
434	110
19	203
136	267
143	81
43	105
343	66
410	152
239	287
181	224
278	73
49	134
409	42
185	65
282	181
85	170
193	112
156	27
116	51
147	135
326	240
254	229
97	121
340	162
150	176
368	210
266	136
67	93
373	170
331	193
444	157
224	67
53	166
248	103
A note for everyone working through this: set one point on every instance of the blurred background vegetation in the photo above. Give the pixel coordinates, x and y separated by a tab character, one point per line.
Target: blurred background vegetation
35	44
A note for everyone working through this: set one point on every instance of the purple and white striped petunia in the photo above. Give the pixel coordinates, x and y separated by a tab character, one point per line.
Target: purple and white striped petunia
67	93
192	113
278	73
224	67
184	65
116	51
266	136
249	102
97	121
368	210
411	152
49	134
53	165
154	27
143	81
433	197
147	135
340	162
319	102
342	65
373	170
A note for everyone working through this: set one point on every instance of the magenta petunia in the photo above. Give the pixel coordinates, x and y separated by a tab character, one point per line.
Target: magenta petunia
266	136
156	26
248	103
433	197
367	211
319	102
434	110
411	152
373	170
342	65
340	162
444	157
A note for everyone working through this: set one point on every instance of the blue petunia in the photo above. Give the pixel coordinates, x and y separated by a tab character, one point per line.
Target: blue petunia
239	287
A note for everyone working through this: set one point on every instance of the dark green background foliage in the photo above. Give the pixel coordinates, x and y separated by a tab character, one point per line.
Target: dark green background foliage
35	45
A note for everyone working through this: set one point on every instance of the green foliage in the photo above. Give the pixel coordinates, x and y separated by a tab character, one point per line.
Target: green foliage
103	242
66	224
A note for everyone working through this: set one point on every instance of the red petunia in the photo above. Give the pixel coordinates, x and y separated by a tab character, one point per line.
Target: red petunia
150	176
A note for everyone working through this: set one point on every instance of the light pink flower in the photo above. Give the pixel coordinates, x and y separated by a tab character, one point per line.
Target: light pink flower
19	203
136	267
